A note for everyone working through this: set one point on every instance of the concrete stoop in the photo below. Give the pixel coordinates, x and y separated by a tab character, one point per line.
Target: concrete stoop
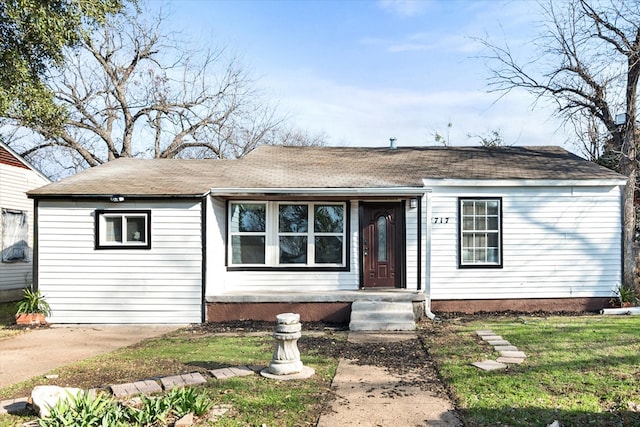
382	316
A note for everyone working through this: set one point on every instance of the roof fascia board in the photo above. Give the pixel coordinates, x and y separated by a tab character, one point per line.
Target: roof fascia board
19	158
107	196
368	191
523	182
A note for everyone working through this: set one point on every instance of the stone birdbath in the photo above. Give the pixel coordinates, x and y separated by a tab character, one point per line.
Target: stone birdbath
285	363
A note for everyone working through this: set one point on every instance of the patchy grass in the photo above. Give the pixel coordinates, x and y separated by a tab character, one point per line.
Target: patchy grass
581	371
254	400
8	319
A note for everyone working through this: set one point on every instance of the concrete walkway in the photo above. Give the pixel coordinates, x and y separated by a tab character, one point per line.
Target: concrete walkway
364	395
41	350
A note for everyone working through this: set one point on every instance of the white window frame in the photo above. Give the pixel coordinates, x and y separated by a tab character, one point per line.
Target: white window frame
272	235
462	232
15	236
102	241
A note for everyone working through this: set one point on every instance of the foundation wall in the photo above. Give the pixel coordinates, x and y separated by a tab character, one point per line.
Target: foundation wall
551	305
337	312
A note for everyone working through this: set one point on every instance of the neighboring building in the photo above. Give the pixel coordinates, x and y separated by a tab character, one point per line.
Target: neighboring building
17	177
311	230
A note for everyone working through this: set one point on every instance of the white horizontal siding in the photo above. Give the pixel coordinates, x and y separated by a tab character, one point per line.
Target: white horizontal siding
557	243
85	285
14	183
287	281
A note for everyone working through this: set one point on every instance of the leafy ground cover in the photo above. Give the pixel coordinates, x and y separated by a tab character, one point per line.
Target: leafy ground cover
580	370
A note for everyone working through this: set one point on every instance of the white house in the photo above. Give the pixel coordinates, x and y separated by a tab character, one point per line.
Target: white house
312	230
17	177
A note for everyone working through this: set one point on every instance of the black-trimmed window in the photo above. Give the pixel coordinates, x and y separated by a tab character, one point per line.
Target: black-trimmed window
480	232
123	229
287	234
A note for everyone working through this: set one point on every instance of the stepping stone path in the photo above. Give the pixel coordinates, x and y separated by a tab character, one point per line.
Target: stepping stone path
509	354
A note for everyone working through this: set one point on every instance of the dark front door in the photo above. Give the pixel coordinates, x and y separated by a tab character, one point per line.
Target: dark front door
382	245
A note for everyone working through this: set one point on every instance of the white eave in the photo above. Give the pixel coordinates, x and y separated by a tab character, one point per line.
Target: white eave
524	182
348	191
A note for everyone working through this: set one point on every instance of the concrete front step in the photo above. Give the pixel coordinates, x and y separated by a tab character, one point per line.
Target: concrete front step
382	316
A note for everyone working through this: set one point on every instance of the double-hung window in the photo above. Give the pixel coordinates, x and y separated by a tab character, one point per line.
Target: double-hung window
480	231
287	234
120	229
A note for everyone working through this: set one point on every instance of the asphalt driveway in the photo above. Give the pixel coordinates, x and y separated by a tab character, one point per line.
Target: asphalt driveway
41	350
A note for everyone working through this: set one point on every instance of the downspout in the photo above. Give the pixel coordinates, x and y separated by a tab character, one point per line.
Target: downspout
427	252
35	256
204	204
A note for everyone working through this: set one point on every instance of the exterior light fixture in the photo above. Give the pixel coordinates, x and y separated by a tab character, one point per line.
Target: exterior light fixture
117	198
413	203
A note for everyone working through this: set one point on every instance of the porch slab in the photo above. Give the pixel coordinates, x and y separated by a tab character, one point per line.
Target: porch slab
392	295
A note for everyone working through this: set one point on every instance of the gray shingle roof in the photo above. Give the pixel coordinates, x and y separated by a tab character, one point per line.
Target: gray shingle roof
326	167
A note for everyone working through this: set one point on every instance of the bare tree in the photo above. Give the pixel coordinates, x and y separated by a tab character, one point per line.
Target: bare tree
589	67
490	139
132	91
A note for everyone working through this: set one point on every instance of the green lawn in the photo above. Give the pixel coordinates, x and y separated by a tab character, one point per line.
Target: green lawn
581	371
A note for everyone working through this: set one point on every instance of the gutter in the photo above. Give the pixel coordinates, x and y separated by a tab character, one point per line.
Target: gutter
321	191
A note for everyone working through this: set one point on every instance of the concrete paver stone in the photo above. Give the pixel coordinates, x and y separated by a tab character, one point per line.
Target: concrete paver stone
518	354
222	373
491	337
242	371
510	360
135	388
489	365
505	348
485	332
183	380
498	342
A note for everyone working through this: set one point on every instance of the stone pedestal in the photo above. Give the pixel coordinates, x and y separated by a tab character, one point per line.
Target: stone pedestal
286	362
286	356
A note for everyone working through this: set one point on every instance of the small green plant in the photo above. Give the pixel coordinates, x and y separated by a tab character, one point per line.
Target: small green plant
627	295
84	409
188	400
33	302
87	409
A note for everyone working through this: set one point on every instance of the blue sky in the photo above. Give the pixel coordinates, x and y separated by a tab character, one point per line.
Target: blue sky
364	71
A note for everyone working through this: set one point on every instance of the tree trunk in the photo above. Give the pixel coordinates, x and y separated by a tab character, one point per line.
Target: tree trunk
630	169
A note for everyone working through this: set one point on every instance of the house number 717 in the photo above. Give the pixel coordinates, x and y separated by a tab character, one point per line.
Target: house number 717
440	220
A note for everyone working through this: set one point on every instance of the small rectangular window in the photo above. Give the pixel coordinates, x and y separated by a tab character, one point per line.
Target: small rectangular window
480	230
15	236
120	229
